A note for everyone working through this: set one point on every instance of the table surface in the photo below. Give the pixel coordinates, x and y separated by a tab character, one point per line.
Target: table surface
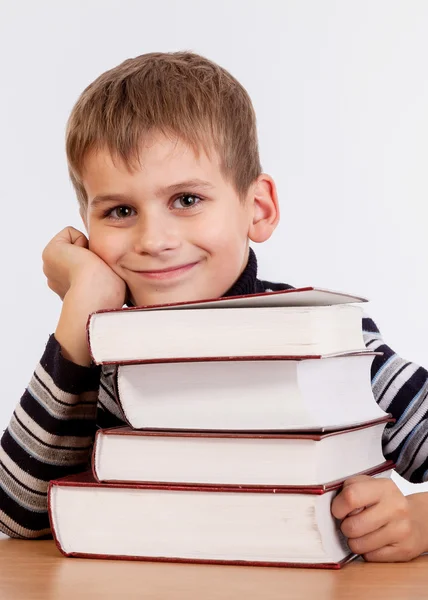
36	569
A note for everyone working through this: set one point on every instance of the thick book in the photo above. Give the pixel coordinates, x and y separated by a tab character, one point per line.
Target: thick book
122	454
302	322
265	526
317	394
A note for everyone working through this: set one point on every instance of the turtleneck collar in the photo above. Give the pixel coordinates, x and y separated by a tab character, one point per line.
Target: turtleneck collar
247	282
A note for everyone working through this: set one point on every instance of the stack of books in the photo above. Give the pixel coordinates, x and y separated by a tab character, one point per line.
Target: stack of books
245	416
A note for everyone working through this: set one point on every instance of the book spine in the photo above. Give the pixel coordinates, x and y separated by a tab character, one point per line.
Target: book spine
52	520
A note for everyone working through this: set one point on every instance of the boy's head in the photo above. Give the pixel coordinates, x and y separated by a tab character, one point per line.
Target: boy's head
163	154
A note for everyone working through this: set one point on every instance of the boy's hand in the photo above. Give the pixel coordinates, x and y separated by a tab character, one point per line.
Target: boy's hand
67	261
85	283
380	522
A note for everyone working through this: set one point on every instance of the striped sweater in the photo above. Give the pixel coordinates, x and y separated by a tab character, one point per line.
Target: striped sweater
52	429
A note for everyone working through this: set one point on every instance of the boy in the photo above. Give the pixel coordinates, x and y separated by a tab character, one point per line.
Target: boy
163	154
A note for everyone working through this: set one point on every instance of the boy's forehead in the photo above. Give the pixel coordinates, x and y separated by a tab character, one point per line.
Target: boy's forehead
160	161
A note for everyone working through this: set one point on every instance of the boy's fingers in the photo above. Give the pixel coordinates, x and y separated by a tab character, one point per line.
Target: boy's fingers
81	241
385	554
73	236
390	554
357	493
355	479
364	522
372	541
395	533
77	237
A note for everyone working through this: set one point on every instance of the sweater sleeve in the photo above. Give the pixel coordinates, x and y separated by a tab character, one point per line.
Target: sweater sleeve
50	435
400	387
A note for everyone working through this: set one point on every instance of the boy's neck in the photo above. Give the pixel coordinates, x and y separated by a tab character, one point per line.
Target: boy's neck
247	282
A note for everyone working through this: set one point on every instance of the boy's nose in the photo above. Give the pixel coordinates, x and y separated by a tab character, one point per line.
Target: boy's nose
154	237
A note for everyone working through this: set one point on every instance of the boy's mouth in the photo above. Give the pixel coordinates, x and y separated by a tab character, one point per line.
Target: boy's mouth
167	273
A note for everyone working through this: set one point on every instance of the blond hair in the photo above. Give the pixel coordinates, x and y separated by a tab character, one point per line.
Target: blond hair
178	93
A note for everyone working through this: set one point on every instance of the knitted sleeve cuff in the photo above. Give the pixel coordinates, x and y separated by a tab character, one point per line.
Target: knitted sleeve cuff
68	376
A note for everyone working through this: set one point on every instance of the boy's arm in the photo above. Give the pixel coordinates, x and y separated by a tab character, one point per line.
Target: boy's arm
50	435
400	387
379	521
52	429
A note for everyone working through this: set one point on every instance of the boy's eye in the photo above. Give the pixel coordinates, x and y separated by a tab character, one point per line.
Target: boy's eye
186	201
120	212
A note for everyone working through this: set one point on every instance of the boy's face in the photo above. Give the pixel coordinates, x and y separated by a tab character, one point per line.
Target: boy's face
174	230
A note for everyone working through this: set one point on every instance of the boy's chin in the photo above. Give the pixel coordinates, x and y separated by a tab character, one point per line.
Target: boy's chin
172	297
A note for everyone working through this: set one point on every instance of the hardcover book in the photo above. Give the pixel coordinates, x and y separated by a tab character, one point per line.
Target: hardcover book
228	525
122	454
302	322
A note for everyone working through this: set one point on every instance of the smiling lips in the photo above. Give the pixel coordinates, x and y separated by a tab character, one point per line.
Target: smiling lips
168	273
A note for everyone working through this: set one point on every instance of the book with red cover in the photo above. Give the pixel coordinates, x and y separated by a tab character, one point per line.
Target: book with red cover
305	394
297	322
123	454
223	525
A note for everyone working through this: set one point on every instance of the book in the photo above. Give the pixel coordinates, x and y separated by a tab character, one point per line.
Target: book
302	322
239	525
122	454
317	394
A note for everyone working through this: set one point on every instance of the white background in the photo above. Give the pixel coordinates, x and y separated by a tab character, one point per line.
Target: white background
341	93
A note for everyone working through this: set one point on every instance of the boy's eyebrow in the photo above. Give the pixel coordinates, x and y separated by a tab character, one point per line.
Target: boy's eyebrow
169	189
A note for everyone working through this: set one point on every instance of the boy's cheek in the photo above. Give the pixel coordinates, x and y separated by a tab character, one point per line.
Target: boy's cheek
106	245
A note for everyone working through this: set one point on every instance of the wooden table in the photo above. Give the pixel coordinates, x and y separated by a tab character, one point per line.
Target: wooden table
36	570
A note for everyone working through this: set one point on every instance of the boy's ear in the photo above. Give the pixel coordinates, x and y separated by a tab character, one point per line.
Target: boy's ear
265	203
